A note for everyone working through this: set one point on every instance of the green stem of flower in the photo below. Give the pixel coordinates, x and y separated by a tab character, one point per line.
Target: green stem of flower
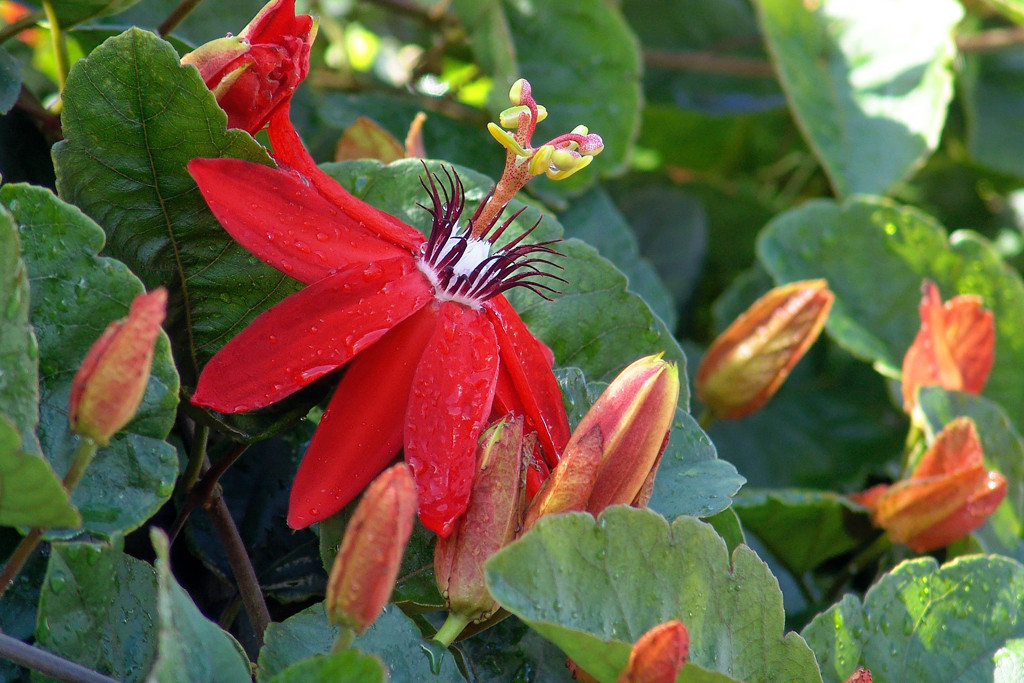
451	628
706	419
83	456
48	663
27	21
195	459
60	45
177	16
344	639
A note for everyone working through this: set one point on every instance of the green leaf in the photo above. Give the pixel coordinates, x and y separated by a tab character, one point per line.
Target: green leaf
19	351
21	601
511	651
132	477
671	30
992	94
71	12
691	480
867	246
593	587
871	103
118	615
924	623
393	638
802	529
1012	9
190	647
10	81
95	595
30	492
594	219
133	117
348	666
601	345
549	43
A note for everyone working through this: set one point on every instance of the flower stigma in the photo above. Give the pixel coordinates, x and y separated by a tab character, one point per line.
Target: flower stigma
459	262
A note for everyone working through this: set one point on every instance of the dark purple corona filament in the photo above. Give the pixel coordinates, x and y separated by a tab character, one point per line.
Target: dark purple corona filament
461	267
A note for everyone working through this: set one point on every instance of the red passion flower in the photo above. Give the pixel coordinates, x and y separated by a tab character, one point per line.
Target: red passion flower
433	348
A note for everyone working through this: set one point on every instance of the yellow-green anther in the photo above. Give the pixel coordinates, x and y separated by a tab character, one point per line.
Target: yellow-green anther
564	159
580	130
509	118
515	93
581	163
541	160
506	140
542	112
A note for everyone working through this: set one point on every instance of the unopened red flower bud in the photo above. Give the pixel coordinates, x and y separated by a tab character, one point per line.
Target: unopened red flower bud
366	566
491	522
949	493
658	655
748	362
614	451
954	348
109	385
255	73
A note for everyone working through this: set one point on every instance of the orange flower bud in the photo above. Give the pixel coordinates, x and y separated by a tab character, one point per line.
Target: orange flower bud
364	570
109	385
256	72
954	349
748	362
658	655
615	449
490	523
860	675
948	495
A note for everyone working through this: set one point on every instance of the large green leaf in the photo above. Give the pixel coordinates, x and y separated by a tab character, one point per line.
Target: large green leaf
19	352
133	117
392	637
133	476
30	492
993	92
871	102
593	587
922	623
98	608
594	219
10	81
874	255
347	666
190	648
118	615
610	327
578	58
71	12
802	529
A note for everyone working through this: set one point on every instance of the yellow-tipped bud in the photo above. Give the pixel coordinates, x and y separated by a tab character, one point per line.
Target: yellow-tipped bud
615	449
364	570
109	385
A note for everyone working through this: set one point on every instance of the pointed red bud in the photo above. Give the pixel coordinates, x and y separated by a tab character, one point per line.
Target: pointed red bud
954	349
613	452
748	362
658	655
109	385
364	571
491	522
860	675
255	73
948	495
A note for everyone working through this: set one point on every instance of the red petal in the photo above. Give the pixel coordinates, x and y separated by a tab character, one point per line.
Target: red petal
450	400
289	151
361	430
533	387
311	333
277	20
283	221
